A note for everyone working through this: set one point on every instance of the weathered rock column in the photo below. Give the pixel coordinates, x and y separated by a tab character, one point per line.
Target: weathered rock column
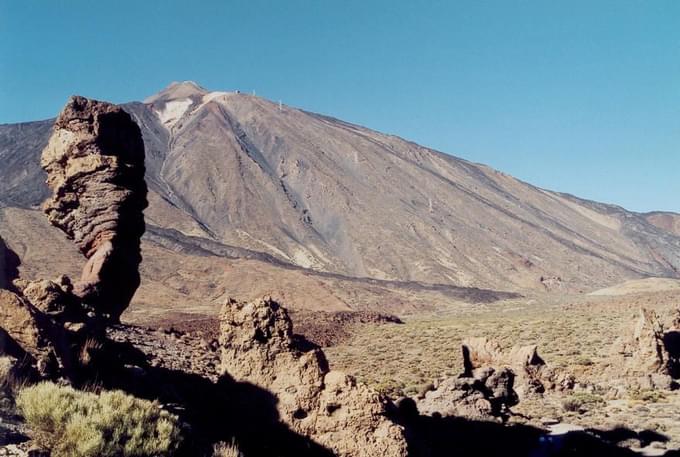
95	169
330	407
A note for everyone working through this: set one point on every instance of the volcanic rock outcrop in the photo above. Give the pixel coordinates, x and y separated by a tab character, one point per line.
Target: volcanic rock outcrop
492	382
95	169
17	319
258	347
533	375
648	352
27	332
485	393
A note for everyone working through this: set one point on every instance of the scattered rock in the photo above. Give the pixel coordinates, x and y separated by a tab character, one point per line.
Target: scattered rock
257	346
552	283
548	421
533	376
187	355
492	382
12	450
487	393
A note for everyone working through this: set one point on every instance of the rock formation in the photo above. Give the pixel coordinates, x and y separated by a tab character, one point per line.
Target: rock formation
32	330
484	393
648	353
258	347
27	334
17	319
95	169
533	375
492	382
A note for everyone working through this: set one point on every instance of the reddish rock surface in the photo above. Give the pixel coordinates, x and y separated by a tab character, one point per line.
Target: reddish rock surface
95	168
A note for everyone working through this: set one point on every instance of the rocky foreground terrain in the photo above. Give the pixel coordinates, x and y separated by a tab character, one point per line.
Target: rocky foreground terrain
64	330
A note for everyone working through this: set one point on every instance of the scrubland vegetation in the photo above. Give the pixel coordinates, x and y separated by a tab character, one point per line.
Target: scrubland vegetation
576	335
74	423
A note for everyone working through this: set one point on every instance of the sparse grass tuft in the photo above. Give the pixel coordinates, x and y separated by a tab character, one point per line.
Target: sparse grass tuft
73	423
223	449
581	402
647	395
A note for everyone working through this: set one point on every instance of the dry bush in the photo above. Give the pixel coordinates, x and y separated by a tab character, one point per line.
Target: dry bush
581	402
73	423
223	449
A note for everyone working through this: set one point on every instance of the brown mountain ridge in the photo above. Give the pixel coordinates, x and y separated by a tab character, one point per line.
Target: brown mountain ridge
247	196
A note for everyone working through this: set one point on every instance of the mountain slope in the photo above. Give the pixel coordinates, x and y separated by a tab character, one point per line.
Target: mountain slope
666	221
183	275
323	194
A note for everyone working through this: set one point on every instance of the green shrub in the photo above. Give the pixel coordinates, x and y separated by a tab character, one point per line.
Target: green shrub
74	423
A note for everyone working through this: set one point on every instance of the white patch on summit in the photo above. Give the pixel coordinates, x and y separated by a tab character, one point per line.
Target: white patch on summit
173	111
213	96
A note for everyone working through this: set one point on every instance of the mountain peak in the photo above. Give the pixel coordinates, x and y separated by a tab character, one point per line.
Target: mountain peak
177	90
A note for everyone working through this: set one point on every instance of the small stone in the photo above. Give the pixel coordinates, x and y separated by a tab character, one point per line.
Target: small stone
549	421
74	327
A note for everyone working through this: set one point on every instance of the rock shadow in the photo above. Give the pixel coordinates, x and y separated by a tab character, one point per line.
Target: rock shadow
671	342
227	410
216	411
9	265
620	434
429	436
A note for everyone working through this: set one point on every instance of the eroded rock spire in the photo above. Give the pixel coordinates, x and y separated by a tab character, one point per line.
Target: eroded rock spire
95	169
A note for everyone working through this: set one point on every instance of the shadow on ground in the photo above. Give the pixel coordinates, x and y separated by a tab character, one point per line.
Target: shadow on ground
229	410
454	436
222	411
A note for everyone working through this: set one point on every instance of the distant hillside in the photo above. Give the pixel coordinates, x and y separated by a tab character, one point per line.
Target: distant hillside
639	286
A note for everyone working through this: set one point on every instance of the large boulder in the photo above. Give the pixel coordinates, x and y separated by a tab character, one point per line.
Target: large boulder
95	168
41	344
492	382
648	352
532	374
19	322
258	347
641	347
484	393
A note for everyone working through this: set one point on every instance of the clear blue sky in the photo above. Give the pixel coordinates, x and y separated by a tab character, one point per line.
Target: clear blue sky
576	96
